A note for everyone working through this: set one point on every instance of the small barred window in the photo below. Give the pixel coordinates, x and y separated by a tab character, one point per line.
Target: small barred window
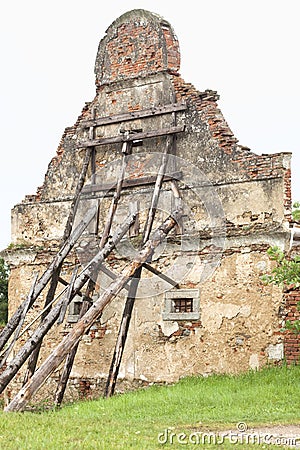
182	304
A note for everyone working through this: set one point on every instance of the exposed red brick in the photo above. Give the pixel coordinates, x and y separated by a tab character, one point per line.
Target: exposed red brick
291	339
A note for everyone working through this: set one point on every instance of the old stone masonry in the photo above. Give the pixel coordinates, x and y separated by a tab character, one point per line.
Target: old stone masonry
157	145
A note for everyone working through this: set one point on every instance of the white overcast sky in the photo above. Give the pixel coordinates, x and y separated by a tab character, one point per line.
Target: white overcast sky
247	50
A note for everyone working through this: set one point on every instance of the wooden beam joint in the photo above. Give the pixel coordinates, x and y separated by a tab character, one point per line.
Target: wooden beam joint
143	113
129	183
131	137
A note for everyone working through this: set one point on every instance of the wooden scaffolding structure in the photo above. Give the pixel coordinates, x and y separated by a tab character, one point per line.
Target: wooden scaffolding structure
83	283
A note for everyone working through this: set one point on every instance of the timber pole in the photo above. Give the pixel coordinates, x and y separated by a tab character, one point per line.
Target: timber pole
129	304
122	335
15	364
62	384
32	362
76	198
7	352
44	279
56	273
69	341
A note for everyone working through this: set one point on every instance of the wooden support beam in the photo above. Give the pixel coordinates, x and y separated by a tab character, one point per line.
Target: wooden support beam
135	227
93	150
155	111
70	289
62	384
66	283
76	198
122	335
174	183
6	354
127	313
111	274
161	275
93	164
126	150
96	229
156	192
56	273
19	359
44	279
131	137
67	344
32	362
130	182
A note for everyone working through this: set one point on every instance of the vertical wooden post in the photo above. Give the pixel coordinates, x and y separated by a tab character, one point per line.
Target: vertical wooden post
127	313
76	198
174	184
93	149
126	149
122	335
70	289
156	192
135	227
63	381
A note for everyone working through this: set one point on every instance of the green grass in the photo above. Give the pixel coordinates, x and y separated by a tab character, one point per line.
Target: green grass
134	420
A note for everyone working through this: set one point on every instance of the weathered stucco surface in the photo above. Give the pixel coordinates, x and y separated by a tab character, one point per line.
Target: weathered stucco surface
137	68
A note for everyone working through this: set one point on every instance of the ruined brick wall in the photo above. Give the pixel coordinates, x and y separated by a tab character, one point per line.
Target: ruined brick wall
137	68
136	48
292	339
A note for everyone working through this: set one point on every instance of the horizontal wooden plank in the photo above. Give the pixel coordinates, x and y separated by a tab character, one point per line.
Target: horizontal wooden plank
131	137
130	182
124	117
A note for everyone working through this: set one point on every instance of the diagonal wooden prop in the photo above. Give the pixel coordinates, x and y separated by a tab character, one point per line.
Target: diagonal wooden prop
69	341
15	364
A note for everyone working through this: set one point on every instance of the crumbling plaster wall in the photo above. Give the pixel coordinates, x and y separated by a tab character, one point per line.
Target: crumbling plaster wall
234	331
137	68
238	327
